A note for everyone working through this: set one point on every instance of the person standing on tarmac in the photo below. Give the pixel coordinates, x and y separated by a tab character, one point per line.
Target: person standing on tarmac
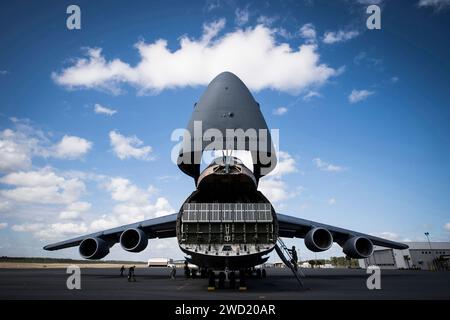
122	270
131	274
187	271
173	272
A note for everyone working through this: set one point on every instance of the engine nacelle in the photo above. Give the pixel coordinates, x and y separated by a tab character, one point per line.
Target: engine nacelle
93	248
318	239
358	247
133	240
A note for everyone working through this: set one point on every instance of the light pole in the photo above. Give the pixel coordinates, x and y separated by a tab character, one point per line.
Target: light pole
427	234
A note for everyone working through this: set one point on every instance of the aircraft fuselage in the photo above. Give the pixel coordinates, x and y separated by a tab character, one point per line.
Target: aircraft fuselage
227	222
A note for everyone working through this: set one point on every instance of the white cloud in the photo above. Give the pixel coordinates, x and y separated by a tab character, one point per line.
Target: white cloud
325	166
53	231
19	146
69	215
241	16
447	226
123	190
363	58
275	189
135	204
71	147
103	223
308	32
124	213
56	231
286	164
392	236
332	201
253	54
282	32
80	206
42	186
129	147
99	109
3	72
46	187
15	152
272	186
388	235
129	212
436	4
43	178
73	210
310	95
359	95
168	178
331	37
394	79
27	227
5	206
212	5
280	111
266	21
3	225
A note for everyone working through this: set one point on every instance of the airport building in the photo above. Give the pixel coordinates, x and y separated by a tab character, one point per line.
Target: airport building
419	255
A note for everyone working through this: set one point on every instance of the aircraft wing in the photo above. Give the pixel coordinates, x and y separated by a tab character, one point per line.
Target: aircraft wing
290	227
161	227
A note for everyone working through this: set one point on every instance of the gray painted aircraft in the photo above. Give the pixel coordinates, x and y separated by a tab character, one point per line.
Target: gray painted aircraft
227	222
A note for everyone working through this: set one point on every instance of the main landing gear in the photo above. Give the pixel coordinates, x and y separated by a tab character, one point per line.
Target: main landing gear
224	280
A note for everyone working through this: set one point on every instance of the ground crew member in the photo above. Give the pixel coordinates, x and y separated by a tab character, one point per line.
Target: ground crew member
131	274
122	270
173	272
187	271
294	259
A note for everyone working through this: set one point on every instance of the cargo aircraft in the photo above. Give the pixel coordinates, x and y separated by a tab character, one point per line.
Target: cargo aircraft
226	222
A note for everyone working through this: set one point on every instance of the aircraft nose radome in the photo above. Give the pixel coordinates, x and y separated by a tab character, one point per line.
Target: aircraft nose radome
227	76
228	79
226	104
226	92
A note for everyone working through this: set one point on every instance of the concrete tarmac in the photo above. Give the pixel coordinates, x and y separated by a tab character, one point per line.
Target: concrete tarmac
154	283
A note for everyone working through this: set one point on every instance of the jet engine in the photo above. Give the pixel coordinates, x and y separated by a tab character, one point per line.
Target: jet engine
133	240
318	239
93	248
358	247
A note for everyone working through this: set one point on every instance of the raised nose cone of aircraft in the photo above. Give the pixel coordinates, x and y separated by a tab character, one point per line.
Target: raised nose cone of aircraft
227	104
229	98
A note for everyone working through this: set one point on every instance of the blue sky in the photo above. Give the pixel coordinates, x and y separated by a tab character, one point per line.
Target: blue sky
85	133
